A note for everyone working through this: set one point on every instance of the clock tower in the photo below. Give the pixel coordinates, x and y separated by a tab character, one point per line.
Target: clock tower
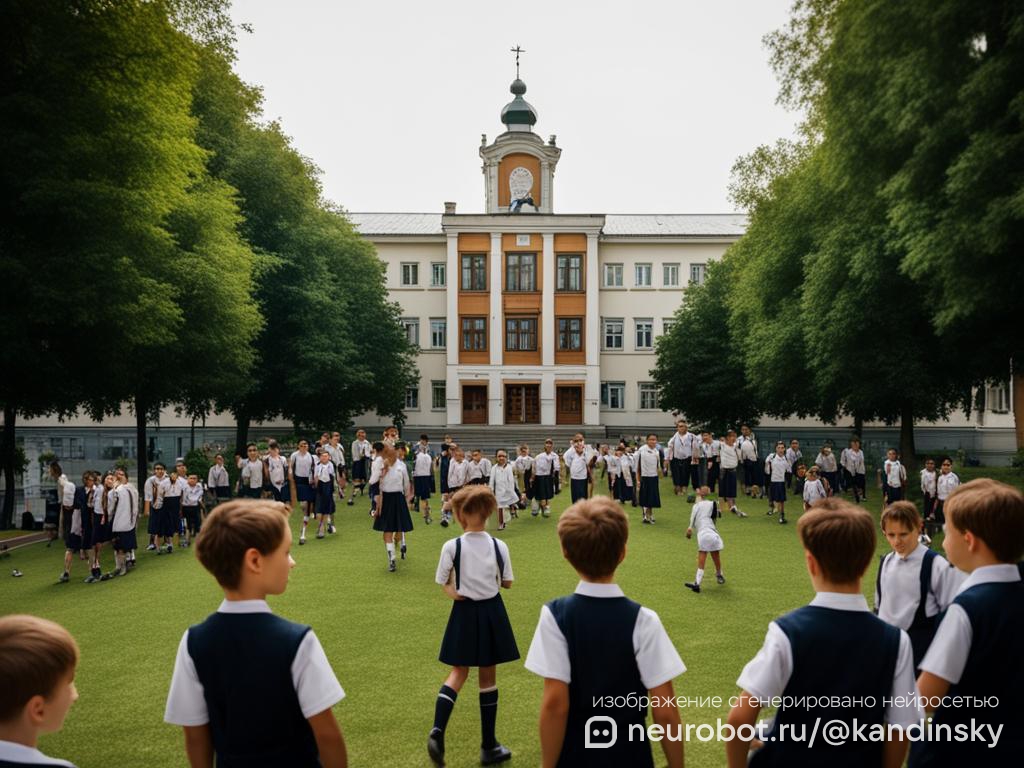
518	166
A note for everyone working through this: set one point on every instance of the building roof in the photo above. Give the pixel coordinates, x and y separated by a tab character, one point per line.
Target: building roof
615	225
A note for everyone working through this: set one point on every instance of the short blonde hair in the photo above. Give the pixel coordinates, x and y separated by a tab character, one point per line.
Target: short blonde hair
594	534
474	501
35	656
992	511
841	536
902	513
234	527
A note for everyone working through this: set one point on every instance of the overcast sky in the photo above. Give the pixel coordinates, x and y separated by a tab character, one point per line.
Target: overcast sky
652	102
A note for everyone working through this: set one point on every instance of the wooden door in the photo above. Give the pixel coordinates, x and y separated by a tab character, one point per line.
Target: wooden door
522	404
474	405
569	405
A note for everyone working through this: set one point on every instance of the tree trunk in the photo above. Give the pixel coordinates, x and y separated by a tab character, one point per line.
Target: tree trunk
908	455
1017	393
242	420
192	435
858	427
7	458
141	443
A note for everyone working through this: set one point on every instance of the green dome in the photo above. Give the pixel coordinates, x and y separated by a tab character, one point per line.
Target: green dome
518	111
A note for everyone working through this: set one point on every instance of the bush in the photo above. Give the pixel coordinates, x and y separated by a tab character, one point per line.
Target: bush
1017	462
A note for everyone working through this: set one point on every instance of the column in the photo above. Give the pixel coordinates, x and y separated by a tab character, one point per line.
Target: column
546	205
592	390
496	322
547	301
453	394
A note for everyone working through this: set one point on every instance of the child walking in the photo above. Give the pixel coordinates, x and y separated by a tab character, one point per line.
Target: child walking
458	476
546	466
895	478
729	463
503	485
825	461
650	466
392	513
702	519
423	482
471	570
323	478
814	488
777	467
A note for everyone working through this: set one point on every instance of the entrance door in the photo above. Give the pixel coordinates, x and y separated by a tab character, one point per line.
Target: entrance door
474	405
522	404
569	405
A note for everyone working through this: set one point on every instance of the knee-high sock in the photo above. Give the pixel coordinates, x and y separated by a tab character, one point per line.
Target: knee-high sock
700	576
390	547
488	717
443	707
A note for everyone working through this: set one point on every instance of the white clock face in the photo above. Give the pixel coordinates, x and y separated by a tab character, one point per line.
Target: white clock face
520	183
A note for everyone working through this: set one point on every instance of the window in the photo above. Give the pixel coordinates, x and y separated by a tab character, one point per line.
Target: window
119	448
438	274
474	272
697	273
410	274
412	329
412	398
671	275
438	395
474	334
521	272
613	395
67	448
643	275
648	396
570	273
644	334
997	398
666	325
613	334
438	333
570	334
521	334
612	276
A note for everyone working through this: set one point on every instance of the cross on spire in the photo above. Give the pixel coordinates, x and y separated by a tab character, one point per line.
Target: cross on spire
517	50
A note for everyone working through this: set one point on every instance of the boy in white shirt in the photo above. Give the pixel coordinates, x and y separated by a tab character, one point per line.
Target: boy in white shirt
895	478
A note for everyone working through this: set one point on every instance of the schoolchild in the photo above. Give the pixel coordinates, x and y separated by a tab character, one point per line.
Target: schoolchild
709	540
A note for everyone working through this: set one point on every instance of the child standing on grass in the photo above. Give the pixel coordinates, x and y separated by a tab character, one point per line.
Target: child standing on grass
546	467
777	467
423	481
854	471
123	510
945	484
191	504
794	454
650	466
458	476
730	462
70	519
37	687
895	478
702	519
928	498
834	649
503	486
250	688
814	488
392	516
323	479
597	645
471	570
827	468
524	470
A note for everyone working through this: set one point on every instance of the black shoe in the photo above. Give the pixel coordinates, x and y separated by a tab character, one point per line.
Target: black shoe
695	587
91	579
444	522
720	578
350	502
391	566
403	551
783	520
499	753
435	746
64	578
645	521
771	512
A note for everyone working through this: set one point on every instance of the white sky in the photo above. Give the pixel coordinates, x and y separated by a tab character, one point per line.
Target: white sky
652	100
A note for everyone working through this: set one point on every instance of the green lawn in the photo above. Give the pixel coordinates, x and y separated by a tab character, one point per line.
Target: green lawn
382	631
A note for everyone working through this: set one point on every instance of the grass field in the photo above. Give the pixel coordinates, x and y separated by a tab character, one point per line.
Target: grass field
382	631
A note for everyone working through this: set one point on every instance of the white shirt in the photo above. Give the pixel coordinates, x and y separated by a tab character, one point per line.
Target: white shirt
376	467
729	456
503	483
928	481
324	472
478	567
301	464
192	495
814	490
485	466
702	516
947	655
457	473
18	753
125	512
710	449
276	466
67	491
613	466
894	473
315	684
777	466
793	456
853	461
546	464
827	462
360	450
656	657
396	479
156	490
748	450
337	454
524	463
252	472
218	476
767	674
683	446
945	484
424	465
901	587
475	470
577	464
648	461
97	499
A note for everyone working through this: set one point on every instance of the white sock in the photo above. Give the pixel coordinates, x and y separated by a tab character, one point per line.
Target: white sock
700	576
403	538
390	547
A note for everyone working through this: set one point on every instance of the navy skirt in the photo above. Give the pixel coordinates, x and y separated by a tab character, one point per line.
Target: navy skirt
650	495
124	541
424	485
778	490
222	491
527	475
543	488
100	533
623	492
153	524
325	498
727	484
578	489
282	494
478	634
303	489
73	541
170	523
394	513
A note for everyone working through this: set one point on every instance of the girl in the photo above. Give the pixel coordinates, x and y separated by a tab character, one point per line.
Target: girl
623	476
360	464
928	488
895	477
323	480
376	468
172	510
546	466
96	497
442	469
423	482
123	512
814	488
157	486
945	483
217	479
458	471
650	466
524	468
709	458
794	454
729	463
748	453
854	472
338	459
392	514
503	486
799	479
776	468
251	473
826	464
300	469
126	489
479	634
475	471
71	519
702	518
277	471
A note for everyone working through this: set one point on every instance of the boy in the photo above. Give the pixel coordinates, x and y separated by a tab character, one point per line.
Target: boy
597	645
37	687
914	584
191	502
975	652
250	687
895	476
360	464
928	488
854	471
832	649
794	454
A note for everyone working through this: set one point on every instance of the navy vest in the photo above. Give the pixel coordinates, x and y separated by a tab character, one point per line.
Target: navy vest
994	669
244	663
922	627
835	653
599	633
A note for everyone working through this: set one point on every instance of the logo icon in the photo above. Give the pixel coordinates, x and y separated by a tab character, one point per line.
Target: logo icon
601	732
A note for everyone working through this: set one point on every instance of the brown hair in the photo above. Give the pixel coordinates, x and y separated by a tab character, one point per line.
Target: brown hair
593	534
902	513
474	501
992	511
234	527
841	536
35	657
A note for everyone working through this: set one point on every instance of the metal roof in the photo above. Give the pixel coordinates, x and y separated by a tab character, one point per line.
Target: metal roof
396	223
